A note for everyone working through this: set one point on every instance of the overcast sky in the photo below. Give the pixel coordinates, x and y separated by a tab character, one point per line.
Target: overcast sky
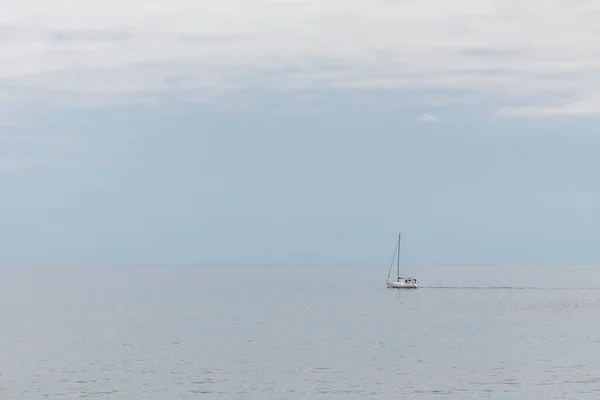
299	132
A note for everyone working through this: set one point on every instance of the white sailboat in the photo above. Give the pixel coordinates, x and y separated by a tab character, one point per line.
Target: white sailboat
400	283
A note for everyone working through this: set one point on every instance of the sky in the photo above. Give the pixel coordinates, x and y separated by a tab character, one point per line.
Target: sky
272	132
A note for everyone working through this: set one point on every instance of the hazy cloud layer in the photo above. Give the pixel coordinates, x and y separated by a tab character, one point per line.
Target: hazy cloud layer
537	58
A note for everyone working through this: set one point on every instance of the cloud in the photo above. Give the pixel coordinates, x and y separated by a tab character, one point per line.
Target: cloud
573	109
91	54
427	118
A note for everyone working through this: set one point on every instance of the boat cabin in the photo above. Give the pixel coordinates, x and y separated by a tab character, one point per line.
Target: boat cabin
408	280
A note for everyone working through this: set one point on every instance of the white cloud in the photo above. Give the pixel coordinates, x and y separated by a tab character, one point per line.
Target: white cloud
573	109
97	52
427	118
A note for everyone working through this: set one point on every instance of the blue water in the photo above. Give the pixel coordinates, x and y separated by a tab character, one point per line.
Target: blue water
299	333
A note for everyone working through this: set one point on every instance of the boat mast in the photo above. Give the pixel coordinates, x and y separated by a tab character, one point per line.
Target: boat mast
399	237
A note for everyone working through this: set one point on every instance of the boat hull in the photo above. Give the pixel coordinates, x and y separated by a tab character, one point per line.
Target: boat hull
402	285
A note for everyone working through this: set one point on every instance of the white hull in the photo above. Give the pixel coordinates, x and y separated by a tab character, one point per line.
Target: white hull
402	285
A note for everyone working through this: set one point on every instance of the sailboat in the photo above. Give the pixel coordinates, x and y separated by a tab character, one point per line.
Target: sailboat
400	283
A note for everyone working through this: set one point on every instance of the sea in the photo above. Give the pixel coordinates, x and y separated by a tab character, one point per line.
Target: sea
254	332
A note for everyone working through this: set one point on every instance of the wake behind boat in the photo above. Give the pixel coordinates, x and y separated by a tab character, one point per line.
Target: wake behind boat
400	283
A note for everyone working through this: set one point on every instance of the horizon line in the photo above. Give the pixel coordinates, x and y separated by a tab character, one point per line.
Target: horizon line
271	265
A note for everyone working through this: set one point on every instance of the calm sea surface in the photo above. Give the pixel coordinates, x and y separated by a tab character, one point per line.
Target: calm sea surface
299	333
